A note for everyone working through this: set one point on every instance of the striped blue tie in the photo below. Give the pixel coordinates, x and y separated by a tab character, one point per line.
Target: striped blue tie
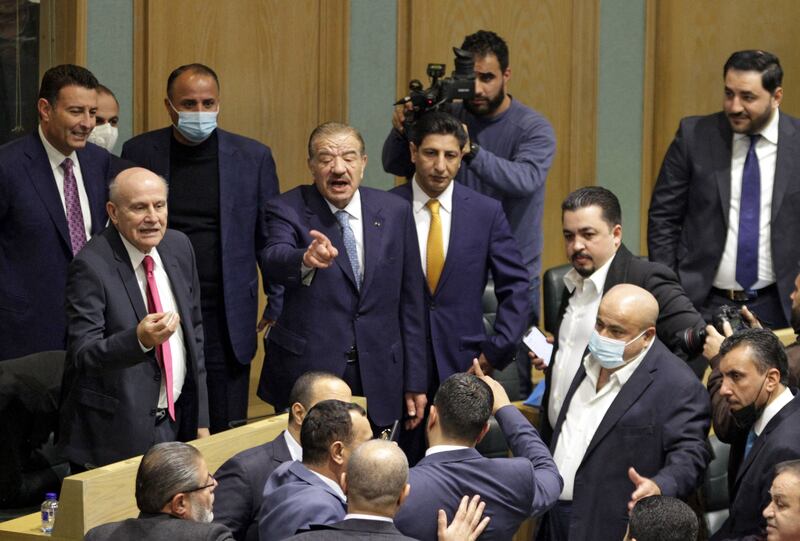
350	244
749	209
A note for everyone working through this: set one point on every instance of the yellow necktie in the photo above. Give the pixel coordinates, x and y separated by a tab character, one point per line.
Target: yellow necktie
434	256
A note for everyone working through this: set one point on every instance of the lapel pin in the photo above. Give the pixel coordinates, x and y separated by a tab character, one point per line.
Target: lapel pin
376	223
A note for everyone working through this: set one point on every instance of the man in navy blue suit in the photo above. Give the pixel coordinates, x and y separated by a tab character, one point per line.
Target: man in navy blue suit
462	236
512	488
219	183
633	424
53	191
347	257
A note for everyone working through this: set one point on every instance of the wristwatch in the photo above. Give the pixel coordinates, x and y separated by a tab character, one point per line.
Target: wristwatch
474	148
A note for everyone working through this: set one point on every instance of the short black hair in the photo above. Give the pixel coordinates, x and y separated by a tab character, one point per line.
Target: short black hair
767	64
194	68
328	421
439	123
766	348
590	196
303	388
58	77
663	518
484	42
103	89
463	405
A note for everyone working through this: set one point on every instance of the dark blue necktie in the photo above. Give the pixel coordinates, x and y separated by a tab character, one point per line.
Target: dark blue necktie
748	445
749	208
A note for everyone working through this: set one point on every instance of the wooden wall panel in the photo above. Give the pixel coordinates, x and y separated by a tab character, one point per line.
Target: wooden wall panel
553	60
282	66
690	42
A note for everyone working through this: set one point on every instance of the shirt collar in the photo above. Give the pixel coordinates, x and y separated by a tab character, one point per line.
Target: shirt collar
769	132
443	449
137	256
421	198
572	279
331	483
295	449
770	411
359	516
53	155
620	376
353	208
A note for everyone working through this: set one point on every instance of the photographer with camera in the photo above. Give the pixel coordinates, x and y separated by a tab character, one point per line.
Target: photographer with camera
509	153
724	326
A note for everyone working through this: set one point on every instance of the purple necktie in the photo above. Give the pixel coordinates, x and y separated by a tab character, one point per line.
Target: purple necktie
749	208
77	229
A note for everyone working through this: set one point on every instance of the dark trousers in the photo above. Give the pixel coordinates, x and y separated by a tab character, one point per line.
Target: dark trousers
555	524
767	307
227	380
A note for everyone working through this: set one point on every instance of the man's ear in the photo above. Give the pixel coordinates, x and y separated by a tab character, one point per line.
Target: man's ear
336	452
433	418
298	413
179	505
483	433
413	150
403	495
343	482
773	379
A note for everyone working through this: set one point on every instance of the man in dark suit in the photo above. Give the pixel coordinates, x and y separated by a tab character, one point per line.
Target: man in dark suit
299	494
783	512
52	197
219	184
513	489
134	373
634	424
765	428
466	237
175	497
724	214
592	224
242	477
352	304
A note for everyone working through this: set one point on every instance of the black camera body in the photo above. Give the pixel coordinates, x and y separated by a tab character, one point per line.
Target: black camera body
692	339
459	86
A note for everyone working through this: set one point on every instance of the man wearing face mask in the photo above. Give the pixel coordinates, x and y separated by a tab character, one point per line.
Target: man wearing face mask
765	428
219	183
105	132
633	424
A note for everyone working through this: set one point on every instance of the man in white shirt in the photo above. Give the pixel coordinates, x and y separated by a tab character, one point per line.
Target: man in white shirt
766	431
592	224
633	424
724	214
135	372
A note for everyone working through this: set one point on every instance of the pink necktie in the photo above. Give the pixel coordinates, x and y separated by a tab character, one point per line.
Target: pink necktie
163	352
72	202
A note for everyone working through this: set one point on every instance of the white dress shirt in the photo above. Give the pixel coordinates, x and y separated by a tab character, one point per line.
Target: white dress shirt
574	332
586	411
330	482
767	152
360	516
353	210
168	304
772	410
56	159
422	219
443	449
295	449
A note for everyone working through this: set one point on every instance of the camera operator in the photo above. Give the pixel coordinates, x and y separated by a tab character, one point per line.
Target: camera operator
720	409
509	153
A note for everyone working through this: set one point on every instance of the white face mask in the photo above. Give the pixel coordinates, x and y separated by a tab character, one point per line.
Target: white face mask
104	135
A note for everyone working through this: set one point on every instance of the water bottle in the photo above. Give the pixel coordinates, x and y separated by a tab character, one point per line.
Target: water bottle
49	508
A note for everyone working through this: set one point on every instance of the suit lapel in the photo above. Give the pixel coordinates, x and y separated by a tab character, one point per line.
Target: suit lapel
160	152
320	217
126	272
373	238
228	180
458	211
178	285
721	162
41	177
94	182
785	162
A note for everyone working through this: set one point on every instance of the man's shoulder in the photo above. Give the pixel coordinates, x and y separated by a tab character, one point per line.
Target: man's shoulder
673	372
241	142
157	526
475	200
148	137
259	456
21	144
371	197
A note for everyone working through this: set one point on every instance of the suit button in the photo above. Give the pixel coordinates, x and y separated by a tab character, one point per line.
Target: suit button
433	306
356	316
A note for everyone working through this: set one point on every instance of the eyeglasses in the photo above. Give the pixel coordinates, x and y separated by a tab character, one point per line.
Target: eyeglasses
210	482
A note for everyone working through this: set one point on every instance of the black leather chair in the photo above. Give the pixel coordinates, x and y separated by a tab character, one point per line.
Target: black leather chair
552	289
715	485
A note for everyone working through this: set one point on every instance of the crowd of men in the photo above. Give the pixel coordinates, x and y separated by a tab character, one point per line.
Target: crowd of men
144	269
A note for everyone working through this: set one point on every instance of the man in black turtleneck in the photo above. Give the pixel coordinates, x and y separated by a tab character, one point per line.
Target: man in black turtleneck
219	184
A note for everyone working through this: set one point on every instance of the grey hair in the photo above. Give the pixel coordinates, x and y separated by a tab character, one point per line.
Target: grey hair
328	129
166	469
113	187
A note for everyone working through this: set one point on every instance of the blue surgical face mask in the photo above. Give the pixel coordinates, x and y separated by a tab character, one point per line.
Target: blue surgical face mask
608	351
196	126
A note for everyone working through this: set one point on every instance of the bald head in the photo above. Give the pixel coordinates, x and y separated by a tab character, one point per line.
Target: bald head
137	207
633	304
377	476
308	390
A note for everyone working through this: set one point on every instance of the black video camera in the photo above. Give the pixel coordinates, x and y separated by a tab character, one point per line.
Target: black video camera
459	86
692	339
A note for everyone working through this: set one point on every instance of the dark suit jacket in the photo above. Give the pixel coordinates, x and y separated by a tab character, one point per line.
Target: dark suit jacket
353	529
241	486
675	311
294	498
480	240
35	249
110	387
157	527
749	480
321	322
688	218
513	488
658	424
247	179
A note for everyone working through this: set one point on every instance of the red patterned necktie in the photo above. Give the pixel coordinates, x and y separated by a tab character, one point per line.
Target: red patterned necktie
163	352
72	202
